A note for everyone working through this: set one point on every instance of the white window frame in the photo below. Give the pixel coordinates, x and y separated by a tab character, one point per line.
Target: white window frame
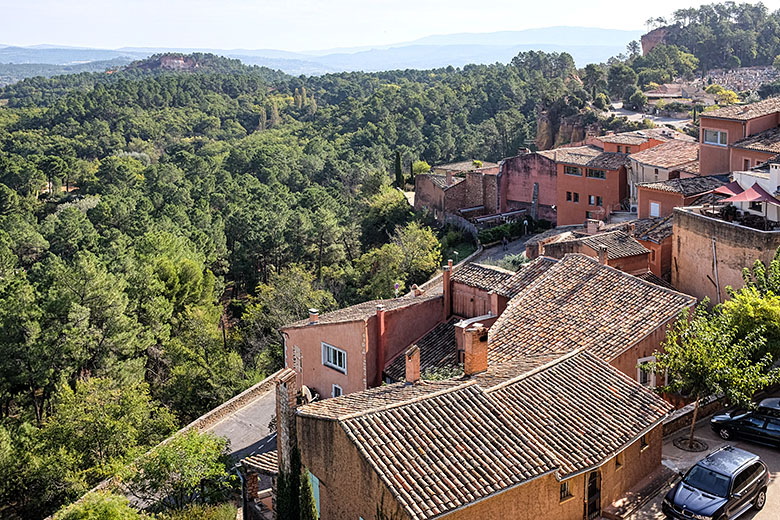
721	137
657	207
650	375
333	391
326	347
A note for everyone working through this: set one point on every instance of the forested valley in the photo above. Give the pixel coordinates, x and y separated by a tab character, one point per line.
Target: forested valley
158	227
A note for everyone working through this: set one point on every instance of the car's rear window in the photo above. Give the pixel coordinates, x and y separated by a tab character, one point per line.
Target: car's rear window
708	481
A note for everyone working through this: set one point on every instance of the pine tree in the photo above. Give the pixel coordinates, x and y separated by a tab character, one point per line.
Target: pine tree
399	174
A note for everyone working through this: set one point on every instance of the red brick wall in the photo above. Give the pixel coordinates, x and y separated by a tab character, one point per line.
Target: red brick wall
612	190
518	177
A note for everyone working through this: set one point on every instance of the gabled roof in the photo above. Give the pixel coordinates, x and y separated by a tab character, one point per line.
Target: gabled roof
654	230
582	303
438	447
441	180
669	154
581	409
746	112
464	166
618	243
363	311
444	451
481	276
525	276
685	187
637	137
767	141
438	350
588	156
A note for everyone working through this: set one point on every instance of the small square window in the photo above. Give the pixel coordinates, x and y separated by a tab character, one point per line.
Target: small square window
572	170
655	209
619	460
599	202
757	206
747	164
565	491
337	391
568	196
334	358
643	444
628	149
620	149
576	197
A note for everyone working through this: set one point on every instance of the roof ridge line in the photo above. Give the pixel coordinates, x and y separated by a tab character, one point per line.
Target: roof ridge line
398	404
536	370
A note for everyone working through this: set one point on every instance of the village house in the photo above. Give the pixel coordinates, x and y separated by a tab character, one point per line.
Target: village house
738	137
591	184
347	350
580	302
713	242
656	234
657	163
659	198
529	182
613	248
511	441
469	188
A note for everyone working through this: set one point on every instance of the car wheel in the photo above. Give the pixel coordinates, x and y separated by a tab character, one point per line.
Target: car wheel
725	434
760	501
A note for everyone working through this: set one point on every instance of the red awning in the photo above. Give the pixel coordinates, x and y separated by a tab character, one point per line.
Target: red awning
755	194
730	189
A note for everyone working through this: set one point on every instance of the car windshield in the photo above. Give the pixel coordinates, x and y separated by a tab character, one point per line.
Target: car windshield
708	481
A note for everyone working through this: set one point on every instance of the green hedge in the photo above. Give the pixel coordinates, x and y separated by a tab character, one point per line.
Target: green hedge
511	230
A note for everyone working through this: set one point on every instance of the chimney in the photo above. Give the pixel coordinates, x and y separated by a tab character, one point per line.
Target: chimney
449	177
286	403
591	226
417	291
475	347
603	256
381	342
413	364
314	316
447	289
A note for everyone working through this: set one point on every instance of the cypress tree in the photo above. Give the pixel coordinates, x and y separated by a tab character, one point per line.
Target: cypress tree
399	174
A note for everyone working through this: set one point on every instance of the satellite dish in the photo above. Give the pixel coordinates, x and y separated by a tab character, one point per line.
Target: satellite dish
306	393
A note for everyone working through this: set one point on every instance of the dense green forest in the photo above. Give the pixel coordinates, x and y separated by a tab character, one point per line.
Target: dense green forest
157	227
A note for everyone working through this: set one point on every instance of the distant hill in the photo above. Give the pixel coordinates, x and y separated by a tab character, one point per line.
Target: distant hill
11	72
585	44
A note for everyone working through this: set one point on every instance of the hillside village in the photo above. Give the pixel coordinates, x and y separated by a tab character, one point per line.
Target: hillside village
431	403
217	302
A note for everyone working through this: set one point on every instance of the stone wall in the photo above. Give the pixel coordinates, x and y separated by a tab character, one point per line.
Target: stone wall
695	269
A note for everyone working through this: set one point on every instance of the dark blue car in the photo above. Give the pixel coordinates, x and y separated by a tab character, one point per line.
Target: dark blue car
721	486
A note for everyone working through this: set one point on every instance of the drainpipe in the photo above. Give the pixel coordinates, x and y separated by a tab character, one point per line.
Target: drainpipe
244	508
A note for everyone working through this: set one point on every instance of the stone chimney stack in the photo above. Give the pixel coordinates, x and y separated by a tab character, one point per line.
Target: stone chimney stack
447	289
591	226
314	316
603	256
413	365
381	342
449	177
286	403
476	350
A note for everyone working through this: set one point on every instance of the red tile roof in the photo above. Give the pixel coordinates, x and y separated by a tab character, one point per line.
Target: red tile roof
746	112
668	155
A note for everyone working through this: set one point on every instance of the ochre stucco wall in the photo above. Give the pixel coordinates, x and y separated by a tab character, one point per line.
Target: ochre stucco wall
405	326
736	247
667	200
714	158
738	156
612	190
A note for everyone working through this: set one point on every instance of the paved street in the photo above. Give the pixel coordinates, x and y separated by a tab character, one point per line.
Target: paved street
636	116
680	460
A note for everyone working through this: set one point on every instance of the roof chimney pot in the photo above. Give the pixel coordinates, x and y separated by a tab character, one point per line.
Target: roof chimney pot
475	346
314	316
413	365
603	255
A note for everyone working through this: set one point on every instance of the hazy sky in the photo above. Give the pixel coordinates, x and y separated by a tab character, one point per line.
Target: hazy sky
300	24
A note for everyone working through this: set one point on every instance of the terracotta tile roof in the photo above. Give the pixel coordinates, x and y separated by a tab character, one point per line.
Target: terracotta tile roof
468	439
654	230
669	154
637	137
363	311
522	278
373	399
265	463
691	167
565	232
619	244
441	180
650	277
581	303
485	277
766	141
438	349
580	408
685	187
464	166
588	156
746	112
447	450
